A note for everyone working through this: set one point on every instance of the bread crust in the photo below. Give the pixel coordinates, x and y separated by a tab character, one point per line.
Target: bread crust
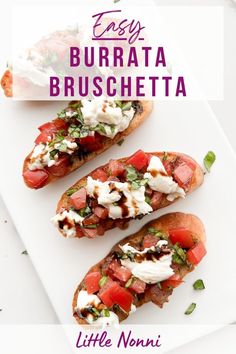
145	108
196	182
164	223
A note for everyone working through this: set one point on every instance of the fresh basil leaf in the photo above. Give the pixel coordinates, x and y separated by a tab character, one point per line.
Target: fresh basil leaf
156	232
131	174
147	200
102	281
112	127
209	159
129	282
118	103
126	106
179	255
71	191
190	309
165	156
85	212
91	226
198	285
105	313
53	154
135	185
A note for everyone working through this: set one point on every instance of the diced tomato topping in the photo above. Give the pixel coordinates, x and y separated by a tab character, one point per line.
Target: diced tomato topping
196	253
122	224
156	200
168	166
35	179
183	174
190	162
101	212
99	174
100	230
42	138
182	236
48	128
116	168
149	240
96	144
90	233
120	272
138	286
91	220
92	282
122	297
139	160
172	282
114	265
79	231
61	166
105	292
78	199
90	139
113	178
60	124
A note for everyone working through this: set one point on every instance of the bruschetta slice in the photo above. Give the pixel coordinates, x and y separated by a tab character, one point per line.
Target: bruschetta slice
143	267
80	132
125	189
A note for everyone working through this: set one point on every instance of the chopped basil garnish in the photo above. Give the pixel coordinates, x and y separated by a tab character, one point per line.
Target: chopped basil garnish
190	309
156	232
71	191
126	106
91	226
25	252
132	174
209	159
105	313
147	199
179	255
95	311
112	127
120	142
165	156
128	283
198	285
102	281
84	212
118	103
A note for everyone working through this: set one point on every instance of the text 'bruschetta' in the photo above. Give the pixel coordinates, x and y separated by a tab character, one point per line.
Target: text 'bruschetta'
143	267
125	189
81	132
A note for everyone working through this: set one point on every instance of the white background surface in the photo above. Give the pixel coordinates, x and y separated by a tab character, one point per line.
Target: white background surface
22	297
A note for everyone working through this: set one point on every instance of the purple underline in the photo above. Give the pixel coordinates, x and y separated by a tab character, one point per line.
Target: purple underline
112	39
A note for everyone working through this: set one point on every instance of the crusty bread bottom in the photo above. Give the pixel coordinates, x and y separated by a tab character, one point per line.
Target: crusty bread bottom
164	223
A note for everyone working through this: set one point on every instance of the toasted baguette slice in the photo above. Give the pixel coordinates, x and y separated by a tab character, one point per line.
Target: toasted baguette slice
157	293
158	200
76	160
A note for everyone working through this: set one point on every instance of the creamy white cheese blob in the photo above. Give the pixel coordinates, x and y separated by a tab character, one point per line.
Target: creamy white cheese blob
100	111
41	157
109	192
72	218
158	180
104	321
149	271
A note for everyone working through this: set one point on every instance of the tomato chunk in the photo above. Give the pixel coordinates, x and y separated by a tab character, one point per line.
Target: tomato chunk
172	282
42	138
78	199
156	200
138	286
90	233
90	139
91	220
183	174
120	272
116	168
48	128
92	282
35	179
101	212
61	167
190	162
79	231
196	253
95	144
105	292
149	240
60	124
100	175
182	236
139	160
122	297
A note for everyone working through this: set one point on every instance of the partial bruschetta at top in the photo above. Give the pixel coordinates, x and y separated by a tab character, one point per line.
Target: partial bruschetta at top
125	189
80	132
143	267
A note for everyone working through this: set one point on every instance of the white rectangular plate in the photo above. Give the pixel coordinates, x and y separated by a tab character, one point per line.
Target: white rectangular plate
188	127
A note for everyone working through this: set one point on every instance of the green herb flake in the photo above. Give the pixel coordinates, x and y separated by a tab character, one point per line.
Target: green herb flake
71	191
179	255
165	156
115	1
120	142
199	285
147	200
132	174
155	232
190	309
85	211
105	313
209	159
118	103
95	311
102	281
91	226
25	252
129	282
126	106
